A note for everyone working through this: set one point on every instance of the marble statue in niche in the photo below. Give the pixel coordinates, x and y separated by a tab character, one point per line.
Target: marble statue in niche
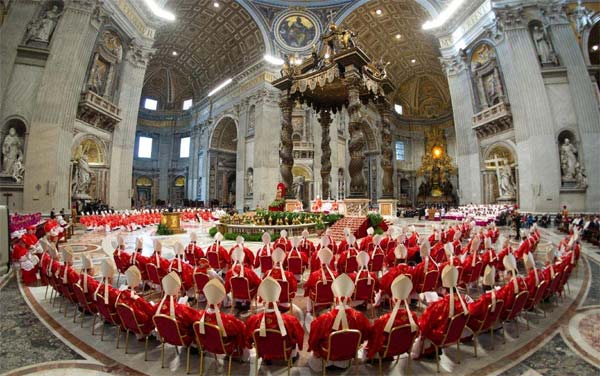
82	177
572	172
506	184
41	28
543	45
12	152
486	77
249	182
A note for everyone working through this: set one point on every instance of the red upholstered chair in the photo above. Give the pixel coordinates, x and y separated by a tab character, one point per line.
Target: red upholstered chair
295	265
399	341
153	274
322	296
342	345
284	296
120	267
86	306
171	332
533	301
480	326
200	280
131	324
366	292
109	315
272	347
213	341
430	281
554	285
456	324
474	275
376	262
240	289
266	263
68	297
213	259
515	310
350	265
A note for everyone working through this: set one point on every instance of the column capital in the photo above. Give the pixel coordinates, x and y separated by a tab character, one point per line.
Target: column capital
138	54
453	65
510	17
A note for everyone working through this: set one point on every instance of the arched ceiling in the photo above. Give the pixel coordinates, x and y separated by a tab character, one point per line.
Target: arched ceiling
212	45
421	86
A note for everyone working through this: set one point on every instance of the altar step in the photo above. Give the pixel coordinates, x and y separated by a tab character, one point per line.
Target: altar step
353	223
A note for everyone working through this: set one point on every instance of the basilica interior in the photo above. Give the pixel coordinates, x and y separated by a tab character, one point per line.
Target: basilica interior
164	121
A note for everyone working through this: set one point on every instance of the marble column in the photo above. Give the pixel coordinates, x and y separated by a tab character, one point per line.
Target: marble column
286	150
467	144
240	161
387	154
532	117
585	103
48	168
123	141
325	121
356	144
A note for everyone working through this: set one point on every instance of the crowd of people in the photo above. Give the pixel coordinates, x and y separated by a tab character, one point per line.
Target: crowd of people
390	272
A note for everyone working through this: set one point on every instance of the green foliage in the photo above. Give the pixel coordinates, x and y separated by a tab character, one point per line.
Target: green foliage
163	230
319	226
247	237
375	220
212	232
378	231
332	218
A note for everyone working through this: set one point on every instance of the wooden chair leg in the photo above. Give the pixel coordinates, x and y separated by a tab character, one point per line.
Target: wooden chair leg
437	358
201	368
229	367
517	324
407	364
162	354
118	335
323	367
126	341
187	369
256	365
46	293
146	349
458	351
475	343
289	367
94	323
102	331
380	366
81	317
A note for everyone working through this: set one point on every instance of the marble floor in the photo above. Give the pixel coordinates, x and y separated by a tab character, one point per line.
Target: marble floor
36	339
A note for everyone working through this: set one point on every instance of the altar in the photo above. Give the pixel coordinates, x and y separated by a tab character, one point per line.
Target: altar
172	220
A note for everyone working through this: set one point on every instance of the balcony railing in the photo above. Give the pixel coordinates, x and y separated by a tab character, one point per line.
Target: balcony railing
492	120
98	111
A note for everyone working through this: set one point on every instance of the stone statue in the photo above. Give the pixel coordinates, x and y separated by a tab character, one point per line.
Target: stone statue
12	149
582	17
543	45
18	171
297	187
250	182
41	29
506	185
568	160
580	176
82	178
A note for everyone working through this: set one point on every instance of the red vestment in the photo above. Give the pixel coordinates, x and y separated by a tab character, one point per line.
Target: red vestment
322	327
295	331
378	338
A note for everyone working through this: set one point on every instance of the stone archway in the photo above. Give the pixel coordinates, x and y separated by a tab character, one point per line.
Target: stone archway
500	172
222	156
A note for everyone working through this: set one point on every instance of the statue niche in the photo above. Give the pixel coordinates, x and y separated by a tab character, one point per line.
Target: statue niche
543	44
104	70
88	157
40	29
12	164
573	175
485	72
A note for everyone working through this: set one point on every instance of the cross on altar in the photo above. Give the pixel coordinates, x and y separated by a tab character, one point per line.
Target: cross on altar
496	164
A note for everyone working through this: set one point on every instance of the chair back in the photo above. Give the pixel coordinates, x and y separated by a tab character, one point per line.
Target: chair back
295	265
153	273
284	296
554	284
475	272
364	291
108	312
212	339
200	280
81	299
128	318
376	262
120	267
272	346
399	341
240	288
323	293
350	265
266	263
170	331
343	344
455	327
214	260
538	295
429	281
518	304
